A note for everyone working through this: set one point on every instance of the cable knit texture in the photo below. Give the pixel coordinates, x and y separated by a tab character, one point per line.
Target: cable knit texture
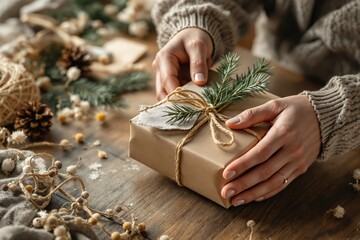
320	39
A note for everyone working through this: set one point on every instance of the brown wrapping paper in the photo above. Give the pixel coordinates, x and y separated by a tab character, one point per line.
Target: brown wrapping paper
202	161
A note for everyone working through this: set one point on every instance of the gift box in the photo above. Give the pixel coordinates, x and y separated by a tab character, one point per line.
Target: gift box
202	161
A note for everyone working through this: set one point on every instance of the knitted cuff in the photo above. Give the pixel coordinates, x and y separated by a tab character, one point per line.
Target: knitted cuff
206	17
327	104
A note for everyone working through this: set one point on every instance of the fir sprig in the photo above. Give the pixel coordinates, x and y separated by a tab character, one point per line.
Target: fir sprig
228	90
99	93
180	113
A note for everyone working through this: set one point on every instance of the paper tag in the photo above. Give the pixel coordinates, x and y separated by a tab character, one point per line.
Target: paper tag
155	117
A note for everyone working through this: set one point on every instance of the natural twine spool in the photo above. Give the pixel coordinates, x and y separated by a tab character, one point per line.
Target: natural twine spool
17	88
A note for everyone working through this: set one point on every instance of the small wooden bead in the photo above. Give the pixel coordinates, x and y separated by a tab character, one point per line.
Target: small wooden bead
127	226
27	169
13	187
141	227
118	209
51	220
52	173
29	188
58	164
85	194
60	231
4	187
115	236
92	221
38	222
164	237
7	165
72	169
79	137
96	216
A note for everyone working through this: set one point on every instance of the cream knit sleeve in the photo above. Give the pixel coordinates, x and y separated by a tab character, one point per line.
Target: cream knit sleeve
224	20
337	106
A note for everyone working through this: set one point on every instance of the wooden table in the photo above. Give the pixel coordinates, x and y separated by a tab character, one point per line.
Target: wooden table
298	212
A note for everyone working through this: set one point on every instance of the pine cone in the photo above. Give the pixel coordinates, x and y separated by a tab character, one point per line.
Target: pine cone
74	57
34	120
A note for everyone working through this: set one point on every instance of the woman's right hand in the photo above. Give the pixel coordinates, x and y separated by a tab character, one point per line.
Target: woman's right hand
187	56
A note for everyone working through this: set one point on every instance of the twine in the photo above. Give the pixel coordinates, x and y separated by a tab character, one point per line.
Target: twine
17	88
211	115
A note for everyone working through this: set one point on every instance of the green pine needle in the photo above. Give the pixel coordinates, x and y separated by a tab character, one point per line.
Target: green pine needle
180	113
229	90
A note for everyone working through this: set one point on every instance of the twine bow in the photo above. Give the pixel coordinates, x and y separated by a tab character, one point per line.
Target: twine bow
211	114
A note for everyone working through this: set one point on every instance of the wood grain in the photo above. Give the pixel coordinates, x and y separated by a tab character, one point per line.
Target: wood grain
299	212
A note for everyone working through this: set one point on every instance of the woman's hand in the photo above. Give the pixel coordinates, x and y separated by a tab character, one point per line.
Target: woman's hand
189	53
287	150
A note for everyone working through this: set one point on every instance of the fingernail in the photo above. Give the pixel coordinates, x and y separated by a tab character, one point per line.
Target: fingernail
199	77
233	120
259	199
230	174
229	193
239	202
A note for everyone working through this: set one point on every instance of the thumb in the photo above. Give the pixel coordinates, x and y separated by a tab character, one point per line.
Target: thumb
263	113
198	65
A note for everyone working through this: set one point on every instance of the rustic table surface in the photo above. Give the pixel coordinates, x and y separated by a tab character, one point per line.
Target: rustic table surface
298	212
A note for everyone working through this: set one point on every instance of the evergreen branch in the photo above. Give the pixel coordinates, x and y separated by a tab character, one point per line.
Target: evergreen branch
56	95
129	82
229	89
95	93
180	113
253	81
228	66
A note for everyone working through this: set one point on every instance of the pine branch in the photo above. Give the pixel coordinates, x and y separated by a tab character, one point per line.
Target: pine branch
180	113
96	94
129	82
249	83
229	89
228	65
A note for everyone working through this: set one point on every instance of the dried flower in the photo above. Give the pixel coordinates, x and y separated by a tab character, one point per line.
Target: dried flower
74	98
102	154
338	212
44	83
85	106
65	144
100	116
111	9
73	73
17	137
139	29
356	174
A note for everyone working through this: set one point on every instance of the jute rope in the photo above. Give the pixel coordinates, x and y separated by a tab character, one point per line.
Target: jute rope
211	115
17	88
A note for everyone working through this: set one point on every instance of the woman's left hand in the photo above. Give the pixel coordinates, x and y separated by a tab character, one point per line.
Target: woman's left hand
287	150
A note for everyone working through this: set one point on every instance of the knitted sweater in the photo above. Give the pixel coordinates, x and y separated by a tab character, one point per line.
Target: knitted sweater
319	38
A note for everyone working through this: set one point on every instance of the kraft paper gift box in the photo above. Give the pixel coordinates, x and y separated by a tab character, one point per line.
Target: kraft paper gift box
202	161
